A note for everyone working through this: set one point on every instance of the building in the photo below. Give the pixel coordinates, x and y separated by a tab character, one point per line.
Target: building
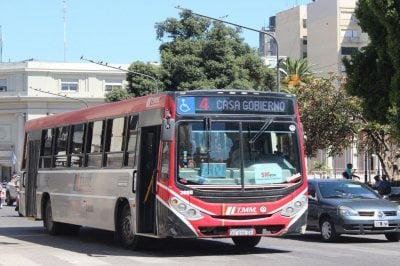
323	31
32	89
291	32
333	32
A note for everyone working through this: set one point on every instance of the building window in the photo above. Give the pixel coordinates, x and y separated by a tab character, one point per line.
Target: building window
304	23
69	85
349	50
111	85
3	85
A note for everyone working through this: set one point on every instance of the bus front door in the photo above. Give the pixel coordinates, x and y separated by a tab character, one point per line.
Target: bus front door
27	203
146	182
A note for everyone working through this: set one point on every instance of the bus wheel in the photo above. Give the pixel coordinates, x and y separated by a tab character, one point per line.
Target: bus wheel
246	241
53	228
126	235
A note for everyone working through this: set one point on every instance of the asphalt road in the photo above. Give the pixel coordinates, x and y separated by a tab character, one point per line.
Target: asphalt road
23	242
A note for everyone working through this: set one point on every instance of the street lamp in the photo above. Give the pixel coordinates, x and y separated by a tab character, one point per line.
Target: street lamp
247	28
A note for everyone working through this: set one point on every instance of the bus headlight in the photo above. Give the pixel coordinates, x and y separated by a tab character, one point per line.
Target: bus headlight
294	206
186	210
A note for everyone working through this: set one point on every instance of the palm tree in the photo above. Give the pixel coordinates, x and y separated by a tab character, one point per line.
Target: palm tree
294	72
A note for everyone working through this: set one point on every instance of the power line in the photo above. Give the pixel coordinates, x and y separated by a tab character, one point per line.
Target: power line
122	69
60	95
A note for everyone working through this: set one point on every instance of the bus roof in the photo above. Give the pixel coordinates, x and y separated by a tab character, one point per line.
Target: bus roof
99	112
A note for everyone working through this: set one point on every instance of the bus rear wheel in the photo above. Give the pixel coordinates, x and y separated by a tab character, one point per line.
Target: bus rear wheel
52	227
125	230
246	241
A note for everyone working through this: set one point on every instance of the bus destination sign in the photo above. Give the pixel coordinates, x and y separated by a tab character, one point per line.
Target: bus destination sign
234	104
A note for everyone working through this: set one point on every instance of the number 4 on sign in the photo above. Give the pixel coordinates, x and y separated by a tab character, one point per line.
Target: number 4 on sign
204	104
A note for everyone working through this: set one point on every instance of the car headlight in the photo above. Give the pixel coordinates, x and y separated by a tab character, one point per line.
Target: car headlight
185	209
347	211
295	206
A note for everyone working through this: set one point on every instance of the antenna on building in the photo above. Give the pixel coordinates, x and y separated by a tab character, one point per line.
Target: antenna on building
65	29
121	69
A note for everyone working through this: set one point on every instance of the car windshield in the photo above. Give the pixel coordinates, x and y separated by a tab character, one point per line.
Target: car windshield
339	189
237	153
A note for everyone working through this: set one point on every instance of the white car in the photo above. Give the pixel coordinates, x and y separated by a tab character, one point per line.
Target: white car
12	190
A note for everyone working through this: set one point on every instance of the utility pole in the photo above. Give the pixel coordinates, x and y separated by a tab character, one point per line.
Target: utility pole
1	45
247	28
65	29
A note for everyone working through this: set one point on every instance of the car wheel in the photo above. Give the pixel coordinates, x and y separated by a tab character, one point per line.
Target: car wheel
393	237
8	199
328	231
53	228
246	241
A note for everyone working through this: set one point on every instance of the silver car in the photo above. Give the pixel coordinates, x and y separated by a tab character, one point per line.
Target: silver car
12	190
339	206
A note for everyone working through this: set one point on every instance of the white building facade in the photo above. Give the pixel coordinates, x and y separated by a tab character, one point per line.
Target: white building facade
32	89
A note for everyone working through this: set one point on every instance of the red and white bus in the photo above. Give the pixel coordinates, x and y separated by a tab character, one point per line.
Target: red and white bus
194	164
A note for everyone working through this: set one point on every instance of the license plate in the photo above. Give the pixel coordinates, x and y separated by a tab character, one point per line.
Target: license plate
381	223
241	232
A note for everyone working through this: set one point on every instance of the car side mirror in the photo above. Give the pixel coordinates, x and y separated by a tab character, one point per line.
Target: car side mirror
311	193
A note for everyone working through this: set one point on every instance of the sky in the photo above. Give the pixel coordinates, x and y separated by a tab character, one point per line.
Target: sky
113	31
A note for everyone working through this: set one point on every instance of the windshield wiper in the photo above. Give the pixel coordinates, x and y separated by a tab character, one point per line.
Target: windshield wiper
262	129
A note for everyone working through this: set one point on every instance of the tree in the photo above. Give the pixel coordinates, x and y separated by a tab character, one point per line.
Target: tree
144	79
295	71
117	95
329	116
374	72
374	76
206	55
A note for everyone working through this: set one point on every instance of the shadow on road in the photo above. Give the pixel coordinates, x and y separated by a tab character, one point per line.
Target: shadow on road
98	243
343	239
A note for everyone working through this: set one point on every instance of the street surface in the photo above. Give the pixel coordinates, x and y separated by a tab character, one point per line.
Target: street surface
23	242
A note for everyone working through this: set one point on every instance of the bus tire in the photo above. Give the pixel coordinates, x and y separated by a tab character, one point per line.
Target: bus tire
53	228
125	230
246	241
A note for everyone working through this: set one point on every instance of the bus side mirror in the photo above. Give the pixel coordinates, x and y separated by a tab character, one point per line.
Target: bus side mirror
168	129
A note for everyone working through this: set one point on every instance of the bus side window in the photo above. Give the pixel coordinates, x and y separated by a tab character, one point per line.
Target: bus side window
95	144
76	147
130	142
46	148
114	141
60	150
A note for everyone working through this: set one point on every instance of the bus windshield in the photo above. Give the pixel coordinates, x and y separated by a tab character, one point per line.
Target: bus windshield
244	153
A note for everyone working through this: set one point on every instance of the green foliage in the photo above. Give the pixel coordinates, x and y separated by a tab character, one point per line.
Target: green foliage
294	71
374	72
143	79
117	95
206	55
329	115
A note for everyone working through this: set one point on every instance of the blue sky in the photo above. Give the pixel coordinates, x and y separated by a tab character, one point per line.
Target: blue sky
117	31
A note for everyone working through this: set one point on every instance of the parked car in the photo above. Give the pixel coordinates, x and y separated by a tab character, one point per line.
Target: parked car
12	190
339	206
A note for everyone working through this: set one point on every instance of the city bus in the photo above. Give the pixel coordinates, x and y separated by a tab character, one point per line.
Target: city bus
183	164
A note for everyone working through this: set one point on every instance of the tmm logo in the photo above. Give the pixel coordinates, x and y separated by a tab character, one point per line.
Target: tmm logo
240	210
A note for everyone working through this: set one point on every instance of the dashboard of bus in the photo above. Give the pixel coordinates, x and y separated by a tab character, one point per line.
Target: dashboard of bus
245	153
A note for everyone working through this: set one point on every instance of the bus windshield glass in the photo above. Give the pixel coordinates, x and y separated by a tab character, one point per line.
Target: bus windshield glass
239	153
